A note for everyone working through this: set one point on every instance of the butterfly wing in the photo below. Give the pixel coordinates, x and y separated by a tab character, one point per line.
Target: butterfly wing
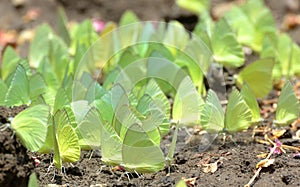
31	126
89	130
258	76
18	90
212	115
139	152
68	144
226	49
288	106
238	115
111	145
250	99
187	104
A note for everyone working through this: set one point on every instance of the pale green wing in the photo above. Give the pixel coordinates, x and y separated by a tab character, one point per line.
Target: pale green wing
152	119
162	102
195	6
111	145
237	19
9	63
262	20
128	17
258	76
31	126
212	115
68	144
105	107
37	86
288	106
226	49
172	147
250	99
89	130
187	104
48	145
153	89
238	115
296	56
18	90
140	153
62	98
33	181
3	90
123	119
56	158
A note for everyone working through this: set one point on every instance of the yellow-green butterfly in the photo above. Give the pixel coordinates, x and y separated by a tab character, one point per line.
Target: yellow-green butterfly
237	117
288	106
187	104
31	126
66	143
258	76
250	99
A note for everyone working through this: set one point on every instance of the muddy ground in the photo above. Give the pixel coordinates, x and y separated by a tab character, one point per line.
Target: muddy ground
236	159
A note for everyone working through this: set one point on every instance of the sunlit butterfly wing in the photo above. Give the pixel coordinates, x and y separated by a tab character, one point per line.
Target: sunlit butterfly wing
140	153
238	115
288	106
187	104
31	126
258	76
250	99
212	115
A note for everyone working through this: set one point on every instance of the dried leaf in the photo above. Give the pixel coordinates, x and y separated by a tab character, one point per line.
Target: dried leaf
277	133
31	15
210	168
204	161
263	155
190	181
265	163
25	36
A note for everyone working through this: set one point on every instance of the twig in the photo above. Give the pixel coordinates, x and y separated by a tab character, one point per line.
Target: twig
283	146
259	169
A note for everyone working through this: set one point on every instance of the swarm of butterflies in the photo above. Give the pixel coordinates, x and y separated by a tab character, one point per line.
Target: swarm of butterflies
68	114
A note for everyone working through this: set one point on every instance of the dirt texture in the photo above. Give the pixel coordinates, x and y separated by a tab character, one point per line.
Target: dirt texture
236	159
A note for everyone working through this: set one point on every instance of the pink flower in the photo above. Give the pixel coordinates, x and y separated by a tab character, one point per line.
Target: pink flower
98	25
277	147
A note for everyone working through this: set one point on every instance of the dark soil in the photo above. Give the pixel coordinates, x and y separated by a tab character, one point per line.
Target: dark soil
237	160
15	163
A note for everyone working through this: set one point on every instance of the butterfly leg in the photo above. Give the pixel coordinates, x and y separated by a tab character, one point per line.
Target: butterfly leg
12	136
139	176
206	141
49	168
127	175
187	131
91	154
3	127
63	172
53	175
